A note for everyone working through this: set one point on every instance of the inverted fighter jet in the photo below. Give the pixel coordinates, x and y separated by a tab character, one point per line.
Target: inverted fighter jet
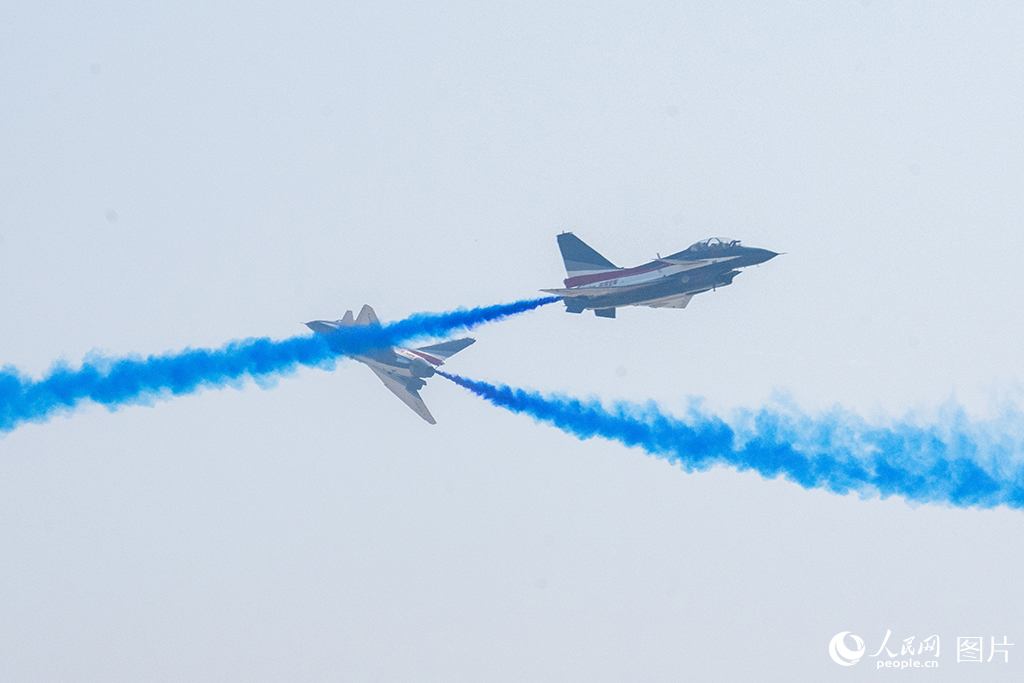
402	370
596	283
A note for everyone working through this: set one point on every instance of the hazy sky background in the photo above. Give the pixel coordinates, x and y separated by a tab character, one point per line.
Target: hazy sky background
182	175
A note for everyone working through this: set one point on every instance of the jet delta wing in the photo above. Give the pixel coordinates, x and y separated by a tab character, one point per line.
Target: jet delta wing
411	397
597	284
402	370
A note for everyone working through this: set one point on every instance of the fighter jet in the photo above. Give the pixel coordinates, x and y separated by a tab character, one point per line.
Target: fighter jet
596	283
402	370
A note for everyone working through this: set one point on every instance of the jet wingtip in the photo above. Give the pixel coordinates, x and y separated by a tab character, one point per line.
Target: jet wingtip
425	412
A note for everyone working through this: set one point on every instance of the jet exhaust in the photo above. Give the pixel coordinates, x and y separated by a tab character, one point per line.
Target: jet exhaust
957	462
133	380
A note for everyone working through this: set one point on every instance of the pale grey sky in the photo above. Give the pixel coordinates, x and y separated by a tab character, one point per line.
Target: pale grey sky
182	175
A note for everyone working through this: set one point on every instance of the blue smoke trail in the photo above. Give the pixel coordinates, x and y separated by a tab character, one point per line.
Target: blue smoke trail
960	463
351	341
115	382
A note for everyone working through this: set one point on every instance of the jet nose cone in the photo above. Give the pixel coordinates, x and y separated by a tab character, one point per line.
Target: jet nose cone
761	255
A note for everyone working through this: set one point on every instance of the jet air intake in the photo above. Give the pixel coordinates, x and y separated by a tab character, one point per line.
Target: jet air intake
420	368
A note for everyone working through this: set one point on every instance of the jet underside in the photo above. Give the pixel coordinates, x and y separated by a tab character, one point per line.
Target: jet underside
402	370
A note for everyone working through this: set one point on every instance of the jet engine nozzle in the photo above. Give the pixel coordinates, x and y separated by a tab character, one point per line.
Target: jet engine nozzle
421	368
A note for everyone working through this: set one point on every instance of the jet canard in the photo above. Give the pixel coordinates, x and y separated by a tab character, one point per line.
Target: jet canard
402	370
596	283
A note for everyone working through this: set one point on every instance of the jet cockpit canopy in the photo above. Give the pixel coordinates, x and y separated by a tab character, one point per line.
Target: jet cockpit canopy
713	243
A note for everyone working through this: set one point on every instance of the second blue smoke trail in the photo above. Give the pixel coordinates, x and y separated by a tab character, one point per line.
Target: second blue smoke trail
121	381
958	462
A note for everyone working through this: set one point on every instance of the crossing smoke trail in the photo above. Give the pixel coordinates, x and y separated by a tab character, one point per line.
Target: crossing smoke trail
121	381
960	463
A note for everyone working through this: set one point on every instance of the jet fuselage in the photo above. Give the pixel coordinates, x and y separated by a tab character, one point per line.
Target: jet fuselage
667	282
411	366
402	370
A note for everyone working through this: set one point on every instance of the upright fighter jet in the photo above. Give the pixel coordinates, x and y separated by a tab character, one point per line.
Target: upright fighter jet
596	283
402	370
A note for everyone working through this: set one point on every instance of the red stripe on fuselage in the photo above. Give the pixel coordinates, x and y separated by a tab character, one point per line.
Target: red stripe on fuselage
426	357
580	280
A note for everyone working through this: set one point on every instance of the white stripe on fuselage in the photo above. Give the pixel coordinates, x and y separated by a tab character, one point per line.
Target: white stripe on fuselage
668	270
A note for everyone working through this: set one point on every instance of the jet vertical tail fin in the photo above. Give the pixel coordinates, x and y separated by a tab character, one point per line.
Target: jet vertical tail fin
347	320
579	258
367	316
